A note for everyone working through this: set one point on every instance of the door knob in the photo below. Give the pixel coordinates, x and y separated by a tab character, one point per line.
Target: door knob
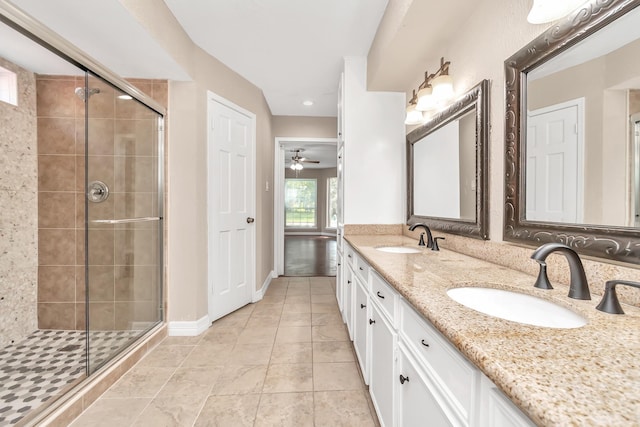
250	220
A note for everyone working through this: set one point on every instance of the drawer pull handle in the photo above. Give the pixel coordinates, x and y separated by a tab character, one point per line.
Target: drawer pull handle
425	344
349	256
403	379
361	269
362	306
339	264
348	282
371	321
379	295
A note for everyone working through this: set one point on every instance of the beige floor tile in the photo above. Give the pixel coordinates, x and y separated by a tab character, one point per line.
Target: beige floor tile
111	412
330	332
261	335
322	290
247	379
262	322
293	334
298	299
342	409
299	281
325	308
264	309
285	409
208	354
140	381
320	319
191	382
336	376
295	319
299	352
288	378
298	290
234	320
229	411
324	299
221	335
296	308
182	340
333	351
273	299
174	411
166	356
250	354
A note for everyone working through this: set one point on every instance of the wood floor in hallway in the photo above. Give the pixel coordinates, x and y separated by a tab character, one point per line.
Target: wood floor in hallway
310	256
284	361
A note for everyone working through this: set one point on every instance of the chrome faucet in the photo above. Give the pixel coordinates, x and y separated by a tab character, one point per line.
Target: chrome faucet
579	288
427	230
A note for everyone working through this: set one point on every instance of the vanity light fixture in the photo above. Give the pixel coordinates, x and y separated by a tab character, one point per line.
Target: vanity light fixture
414	117
435	90
544	11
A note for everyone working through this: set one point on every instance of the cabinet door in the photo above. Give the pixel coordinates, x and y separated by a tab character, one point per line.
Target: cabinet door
339	279
417	405
381	378
497	410
347	296
361	323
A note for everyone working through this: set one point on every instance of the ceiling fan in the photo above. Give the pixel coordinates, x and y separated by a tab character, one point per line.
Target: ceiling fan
297	160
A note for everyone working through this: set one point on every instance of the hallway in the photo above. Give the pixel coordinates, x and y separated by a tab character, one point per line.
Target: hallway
310	256
284	361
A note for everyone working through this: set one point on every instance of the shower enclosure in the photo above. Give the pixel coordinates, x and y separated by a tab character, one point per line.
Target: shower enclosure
81	215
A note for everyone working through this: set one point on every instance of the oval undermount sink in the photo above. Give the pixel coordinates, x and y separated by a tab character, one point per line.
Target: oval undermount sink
517	307
399	250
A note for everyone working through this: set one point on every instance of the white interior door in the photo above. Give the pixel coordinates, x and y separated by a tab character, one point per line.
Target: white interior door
231	207
554	166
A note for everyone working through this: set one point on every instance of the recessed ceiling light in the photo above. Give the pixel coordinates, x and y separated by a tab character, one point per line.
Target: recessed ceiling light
307	103
124	97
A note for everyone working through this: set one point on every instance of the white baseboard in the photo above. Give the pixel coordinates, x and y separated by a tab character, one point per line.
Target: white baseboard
189	328
259	293
310	233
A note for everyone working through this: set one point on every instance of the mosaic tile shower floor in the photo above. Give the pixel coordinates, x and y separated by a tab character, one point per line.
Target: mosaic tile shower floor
41	366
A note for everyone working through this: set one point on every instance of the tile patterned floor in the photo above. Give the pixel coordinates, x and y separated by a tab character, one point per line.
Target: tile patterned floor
285	361
46	363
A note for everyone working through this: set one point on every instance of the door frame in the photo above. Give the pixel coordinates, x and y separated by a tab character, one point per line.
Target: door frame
579	103
213	194
281	145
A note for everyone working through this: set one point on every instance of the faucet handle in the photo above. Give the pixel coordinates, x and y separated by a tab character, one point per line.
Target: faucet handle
542	282
435	246
421	242
609	302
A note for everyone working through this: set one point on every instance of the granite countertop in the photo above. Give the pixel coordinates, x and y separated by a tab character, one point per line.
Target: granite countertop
584	376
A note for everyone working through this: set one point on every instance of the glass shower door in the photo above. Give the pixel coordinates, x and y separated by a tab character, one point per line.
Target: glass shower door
124	226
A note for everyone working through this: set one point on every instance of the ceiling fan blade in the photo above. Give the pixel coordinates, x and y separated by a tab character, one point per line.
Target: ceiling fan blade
310	161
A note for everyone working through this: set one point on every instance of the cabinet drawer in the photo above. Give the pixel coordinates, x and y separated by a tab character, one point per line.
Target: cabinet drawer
455	375
361	268
384	295
350	255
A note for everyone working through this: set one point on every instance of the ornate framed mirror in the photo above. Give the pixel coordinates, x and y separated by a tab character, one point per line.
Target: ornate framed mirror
572	143
447	167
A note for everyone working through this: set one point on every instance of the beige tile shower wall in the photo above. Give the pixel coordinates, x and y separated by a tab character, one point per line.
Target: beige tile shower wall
122	144
18	210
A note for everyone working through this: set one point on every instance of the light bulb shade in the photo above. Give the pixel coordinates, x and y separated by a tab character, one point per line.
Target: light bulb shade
442	88
414	117
426	100
298	166
293	166
544	11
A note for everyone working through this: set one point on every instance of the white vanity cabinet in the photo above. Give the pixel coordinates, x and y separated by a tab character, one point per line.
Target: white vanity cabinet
394	342
382	356
361	316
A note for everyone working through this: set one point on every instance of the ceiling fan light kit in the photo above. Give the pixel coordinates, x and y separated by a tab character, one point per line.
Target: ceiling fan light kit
297	160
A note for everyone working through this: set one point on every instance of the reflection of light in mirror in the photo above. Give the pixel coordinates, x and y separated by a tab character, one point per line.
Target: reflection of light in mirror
544	11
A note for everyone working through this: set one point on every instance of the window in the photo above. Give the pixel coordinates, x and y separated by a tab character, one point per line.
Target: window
332	202
300	199
8	87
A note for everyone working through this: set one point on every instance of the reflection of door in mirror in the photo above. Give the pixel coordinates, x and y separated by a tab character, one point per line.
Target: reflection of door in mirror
554	167
444	175
635	138
604	72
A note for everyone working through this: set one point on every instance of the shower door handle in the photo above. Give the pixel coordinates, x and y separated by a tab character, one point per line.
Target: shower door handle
126	220
250	220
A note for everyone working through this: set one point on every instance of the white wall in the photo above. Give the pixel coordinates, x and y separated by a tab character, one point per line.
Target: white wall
374	157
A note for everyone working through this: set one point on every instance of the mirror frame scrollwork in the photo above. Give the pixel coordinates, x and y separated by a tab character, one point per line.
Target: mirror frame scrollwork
611	242
476	98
